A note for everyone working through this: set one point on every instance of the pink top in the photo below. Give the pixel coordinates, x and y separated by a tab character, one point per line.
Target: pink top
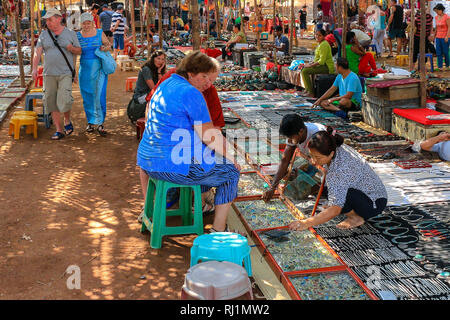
441	26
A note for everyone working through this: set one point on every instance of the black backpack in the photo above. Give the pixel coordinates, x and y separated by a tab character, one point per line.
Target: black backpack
135	110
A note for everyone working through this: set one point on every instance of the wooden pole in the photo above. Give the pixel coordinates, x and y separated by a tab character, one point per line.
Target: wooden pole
160	24
149	46
240	14
274	19
207	20
258	31
195	25
19	45
141	19
344	28
423	74
411	36
291	40
39	16
32	31
218	28
133	23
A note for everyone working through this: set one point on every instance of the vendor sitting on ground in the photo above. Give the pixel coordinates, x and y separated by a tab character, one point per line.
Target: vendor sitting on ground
323	62
354	189
363	38
149	75
238	37
350	90
298	134
281	42
178	109
360	62
439	144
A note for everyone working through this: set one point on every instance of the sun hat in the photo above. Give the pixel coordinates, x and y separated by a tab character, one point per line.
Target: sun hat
52	12
86	16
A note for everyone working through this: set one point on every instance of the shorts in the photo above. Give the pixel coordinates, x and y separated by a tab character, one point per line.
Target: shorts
354	107
396	33
165	22
119	41
58	93
108	33
303	25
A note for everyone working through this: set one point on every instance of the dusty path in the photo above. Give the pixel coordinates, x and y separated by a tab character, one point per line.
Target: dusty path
78	199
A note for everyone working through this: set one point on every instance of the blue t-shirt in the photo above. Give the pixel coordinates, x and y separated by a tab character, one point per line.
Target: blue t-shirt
443	149
350	83
169	143
283	40
105	19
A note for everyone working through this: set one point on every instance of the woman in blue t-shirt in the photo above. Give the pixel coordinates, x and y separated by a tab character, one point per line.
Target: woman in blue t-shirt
180	143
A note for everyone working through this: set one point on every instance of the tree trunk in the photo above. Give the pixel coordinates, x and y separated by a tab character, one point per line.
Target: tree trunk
411	36
423	70
195	25
160	24
133	23
19	46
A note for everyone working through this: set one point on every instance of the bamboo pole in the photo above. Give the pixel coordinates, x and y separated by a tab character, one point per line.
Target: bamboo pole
258	31
291	40
32	31
207	20
411	36
195	25
141	19
39	16
274	19
133	23
19	45
423	75
218	27
344	28
160	24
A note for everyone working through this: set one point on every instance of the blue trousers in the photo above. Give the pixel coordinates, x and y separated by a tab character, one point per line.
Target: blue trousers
442	48
225	177
338	38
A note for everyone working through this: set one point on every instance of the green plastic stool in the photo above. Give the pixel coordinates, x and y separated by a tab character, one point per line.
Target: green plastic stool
155	209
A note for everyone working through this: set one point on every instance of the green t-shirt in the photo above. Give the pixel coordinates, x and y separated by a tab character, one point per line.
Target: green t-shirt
323	55
238	20
353	59
242	35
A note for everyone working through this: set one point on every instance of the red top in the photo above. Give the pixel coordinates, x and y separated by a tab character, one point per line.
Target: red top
211	98
330	38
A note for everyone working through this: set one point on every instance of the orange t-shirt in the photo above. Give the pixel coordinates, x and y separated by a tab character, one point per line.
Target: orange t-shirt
441	26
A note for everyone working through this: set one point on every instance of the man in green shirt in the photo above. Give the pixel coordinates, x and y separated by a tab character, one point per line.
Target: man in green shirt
323	62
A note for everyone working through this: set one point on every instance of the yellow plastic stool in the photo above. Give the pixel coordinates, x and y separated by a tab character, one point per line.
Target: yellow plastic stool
18	121
402	60
29	129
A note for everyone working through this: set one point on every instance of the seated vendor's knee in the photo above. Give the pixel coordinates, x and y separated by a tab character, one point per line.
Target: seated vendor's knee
345	103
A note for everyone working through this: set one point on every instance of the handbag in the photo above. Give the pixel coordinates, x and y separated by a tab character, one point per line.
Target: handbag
55	42
109	65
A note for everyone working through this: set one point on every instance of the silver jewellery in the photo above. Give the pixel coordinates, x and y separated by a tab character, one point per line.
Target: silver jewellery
393	232
388	224
405	239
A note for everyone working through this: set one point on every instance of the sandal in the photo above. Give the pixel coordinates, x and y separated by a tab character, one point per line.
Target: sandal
58	136
90	128
68	129
101	130
212	230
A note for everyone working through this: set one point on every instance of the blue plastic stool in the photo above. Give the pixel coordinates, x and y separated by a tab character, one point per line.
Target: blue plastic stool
44	117
430	57
222	246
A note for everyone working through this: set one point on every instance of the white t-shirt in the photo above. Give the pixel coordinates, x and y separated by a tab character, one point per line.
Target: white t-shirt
361	36
311	129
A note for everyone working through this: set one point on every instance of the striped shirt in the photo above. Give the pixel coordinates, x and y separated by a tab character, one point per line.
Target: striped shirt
121	27
428	26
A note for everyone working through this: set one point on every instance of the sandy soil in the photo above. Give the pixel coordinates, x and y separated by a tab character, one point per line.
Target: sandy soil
76	201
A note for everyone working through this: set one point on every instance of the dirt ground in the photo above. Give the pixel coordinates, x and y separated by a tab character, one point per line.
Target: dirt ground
75	202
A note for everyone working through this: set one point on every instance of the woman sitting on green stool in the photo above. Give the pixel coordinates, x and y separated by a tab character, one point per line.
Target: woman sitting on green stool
323	62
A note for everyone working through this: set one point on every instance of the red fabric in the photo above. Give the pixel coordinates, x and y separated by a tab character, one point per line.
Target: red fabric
271	65
331	39
419	115
213	53
387	84
367	64
211	98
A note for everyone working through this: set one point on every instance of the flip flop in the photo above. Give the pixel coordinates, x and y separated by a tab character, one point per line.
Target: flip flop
90	128
68	129
101	130
58	136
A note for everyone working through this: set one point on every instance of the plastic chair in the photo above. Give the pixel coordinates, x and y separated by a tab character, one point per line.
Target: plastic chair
29	104
129	83
214	280
18	121
430	58
222	246
140	127
402	60
155	209
40	77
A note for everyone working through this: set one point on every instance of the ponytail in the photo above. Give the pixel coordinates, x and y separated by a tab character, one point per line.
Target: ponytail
326	142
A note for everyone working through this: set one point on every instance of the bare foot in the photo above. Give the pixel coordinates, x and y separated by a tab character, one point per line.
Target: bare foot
351	222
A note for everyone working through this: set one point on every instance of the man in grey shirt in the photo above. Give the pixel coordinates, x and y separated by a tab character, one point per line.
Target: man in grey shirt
57	74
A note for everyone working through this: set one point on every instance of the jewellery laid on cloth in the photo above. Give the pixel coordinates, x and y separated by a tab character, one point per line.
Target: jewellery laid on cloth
405	239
